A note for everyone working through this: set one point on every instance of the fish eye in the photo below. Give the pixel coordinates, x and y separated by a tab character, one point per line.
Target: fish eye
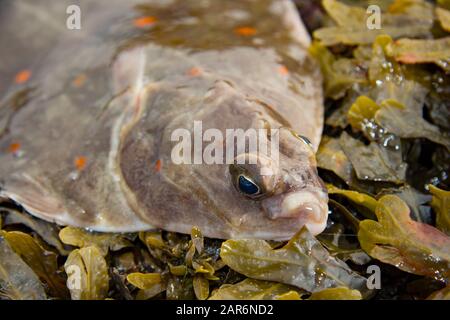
305	140
302	138
247	186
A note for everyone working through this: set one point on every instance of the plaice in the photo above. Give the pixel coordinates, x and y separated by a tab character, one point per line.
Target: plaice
85	131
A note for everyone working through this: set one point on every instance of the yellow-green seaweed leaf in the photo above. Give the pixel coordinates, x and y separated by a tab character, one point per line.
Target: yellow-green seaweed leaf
87	272
339	75
188	258
331	242
402	94
303	262
409	245
17	280
414	199
150	293
204	267
180	270
331	36
341	293
197	239
412	51
443	16
201	287
361	111
152	239
382	67
390	81
372	162
359	198
412	19
251	289
331	157
43	262
103	241
406	123
338	118
441	205
46	230
150	284
420	9
144	280
180	288
345	15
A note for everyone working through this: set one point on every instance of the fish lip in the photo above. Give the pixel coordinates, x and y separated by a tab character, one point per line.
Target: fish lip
309	206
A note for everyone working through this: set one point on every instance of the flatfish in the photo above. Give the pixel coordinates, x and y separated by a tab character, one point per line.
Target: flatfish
100	102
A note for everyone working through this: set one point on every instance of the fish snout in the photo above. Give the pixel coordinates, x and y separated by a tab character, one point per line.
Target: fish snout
311	207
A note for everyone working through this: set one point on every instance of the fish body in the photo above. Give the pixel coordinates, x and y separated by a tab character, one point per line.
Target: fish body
87	116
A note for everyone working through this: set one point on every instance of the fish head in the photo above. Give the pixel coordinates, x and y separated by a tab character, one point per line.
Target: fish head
285	188
264	195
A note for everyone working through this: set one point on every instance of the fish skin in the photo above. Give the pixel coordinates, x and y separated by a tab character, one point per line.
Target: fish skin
138	89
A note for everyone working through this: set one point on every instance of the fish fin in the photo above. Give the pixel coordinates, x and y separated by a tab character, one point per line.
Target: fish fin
42	203
30	194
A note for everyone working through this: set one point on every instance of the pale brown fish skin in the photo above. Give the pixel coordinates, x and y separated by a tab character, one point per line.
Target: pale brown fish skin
93	136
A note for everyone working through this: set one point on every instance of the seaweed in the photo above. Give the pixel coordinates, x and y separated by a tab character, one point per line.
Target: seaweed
251	289
403	19
384	156
88	274
303	262
42	262
440	203
17	279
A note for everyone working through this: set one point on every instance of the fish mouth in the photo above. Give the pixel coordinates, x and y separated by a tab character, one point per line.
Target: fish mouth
307	206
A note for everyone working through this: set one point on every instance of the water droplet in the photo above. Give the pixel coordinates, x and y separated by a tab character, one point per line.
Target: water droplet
73	175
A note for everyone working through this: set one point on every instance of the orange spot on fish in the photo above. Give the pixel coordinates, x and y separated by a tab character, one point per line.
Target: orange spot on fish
79	80
144	22
23	76
14	147
158	165
194	72
245	31
80	163
283	70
